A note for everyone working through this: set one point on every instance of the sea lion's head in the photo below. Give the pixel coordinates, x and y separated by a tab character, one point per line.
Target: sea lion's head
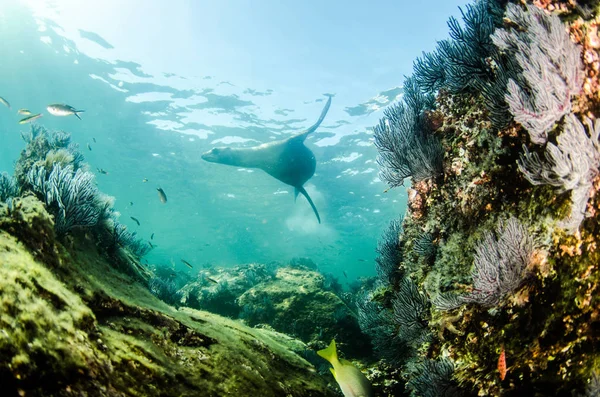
221	155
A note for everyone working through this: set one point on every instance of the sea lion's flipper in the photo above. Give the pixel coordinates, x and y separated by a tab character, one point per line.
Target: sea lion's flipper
302	136
296	191
303	191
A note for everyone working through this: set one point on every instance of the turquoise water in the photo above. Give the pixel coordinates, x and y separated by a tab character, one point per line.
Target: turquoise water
141	124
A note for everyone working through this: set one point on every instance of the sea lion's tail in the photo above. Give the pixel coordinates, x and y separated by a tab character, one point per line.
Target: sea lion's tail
321	118
301	189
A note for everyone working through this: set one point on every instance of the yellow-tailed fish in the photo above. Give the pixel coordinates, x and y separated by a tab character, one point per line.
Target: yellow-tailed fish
352	382
135	220
24	112
4	102
31	118
188	264
161	195
59	109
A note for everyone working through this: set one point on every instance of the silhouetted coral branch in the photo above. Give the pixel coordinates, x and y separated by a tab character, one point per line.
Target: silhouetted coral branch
571	164
127	240
378	323
390	253
8	187
406	145
433	379
551	69
411	310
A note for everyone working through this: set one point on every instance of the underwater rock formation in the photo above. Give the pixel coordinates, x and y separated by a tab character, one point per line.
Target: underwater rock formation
505	241
73	324
291	299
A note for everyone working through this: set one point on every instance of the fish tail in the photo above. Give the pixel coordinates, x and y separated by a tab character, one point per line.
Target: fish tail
76	113
330	353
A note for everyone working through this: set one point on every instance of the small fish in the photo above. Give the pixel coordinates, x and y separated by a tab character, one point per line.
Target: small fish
31	118
131	203
89	147
502	364
207	245
352	382
212	280
188	264
151	245
24	112
161	195
4	102
152	236
345	275
173	274
145	180
102	171
135	220
133	234
94	139
59	109
362	260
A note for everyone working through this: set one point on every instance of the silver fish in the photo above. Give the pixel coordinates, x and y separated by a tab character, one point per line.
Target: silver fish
4	102
31	118
59	109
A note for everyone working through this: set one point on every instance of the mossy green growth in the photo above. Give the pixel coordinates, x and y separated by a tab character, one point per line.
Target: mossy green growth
81	327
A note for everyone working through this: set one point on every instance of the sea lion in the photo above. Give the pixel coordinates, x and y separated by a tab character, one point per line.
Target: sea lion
287	160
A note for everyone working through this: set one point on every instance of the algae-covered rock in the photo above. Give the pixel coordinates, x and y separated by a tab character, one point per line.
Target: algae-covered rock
89	329
295	302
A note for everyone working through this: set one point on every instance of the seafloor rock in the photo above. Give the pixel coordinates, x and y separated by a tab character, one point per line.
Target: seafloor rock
295	302
292	299
77	326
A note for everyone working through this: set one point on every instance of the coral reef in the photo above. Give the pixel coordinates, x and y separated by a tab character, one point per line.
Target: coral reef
504	241
72	324
53	168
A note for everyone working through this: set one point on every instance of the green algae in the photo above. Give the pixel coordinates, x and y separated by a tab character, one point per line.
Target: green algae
80	326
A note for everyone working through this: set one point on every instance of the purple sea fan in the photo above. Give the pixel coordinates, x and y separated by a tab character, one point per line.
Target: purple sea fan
551	66
571	165
500	264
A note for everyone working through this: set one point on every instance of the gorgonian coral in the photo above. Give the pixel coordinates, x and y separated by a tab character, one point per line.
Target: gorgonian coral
551	69
570	165
407	146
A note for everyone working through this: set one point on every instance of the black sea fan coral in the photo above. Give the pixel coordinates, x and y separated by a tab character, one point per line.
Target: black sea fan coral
411	310
406	144
166	291
434	379
127	240
390	253
571	165
70	195
469	62
378	323
551	72
500	264
8	187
